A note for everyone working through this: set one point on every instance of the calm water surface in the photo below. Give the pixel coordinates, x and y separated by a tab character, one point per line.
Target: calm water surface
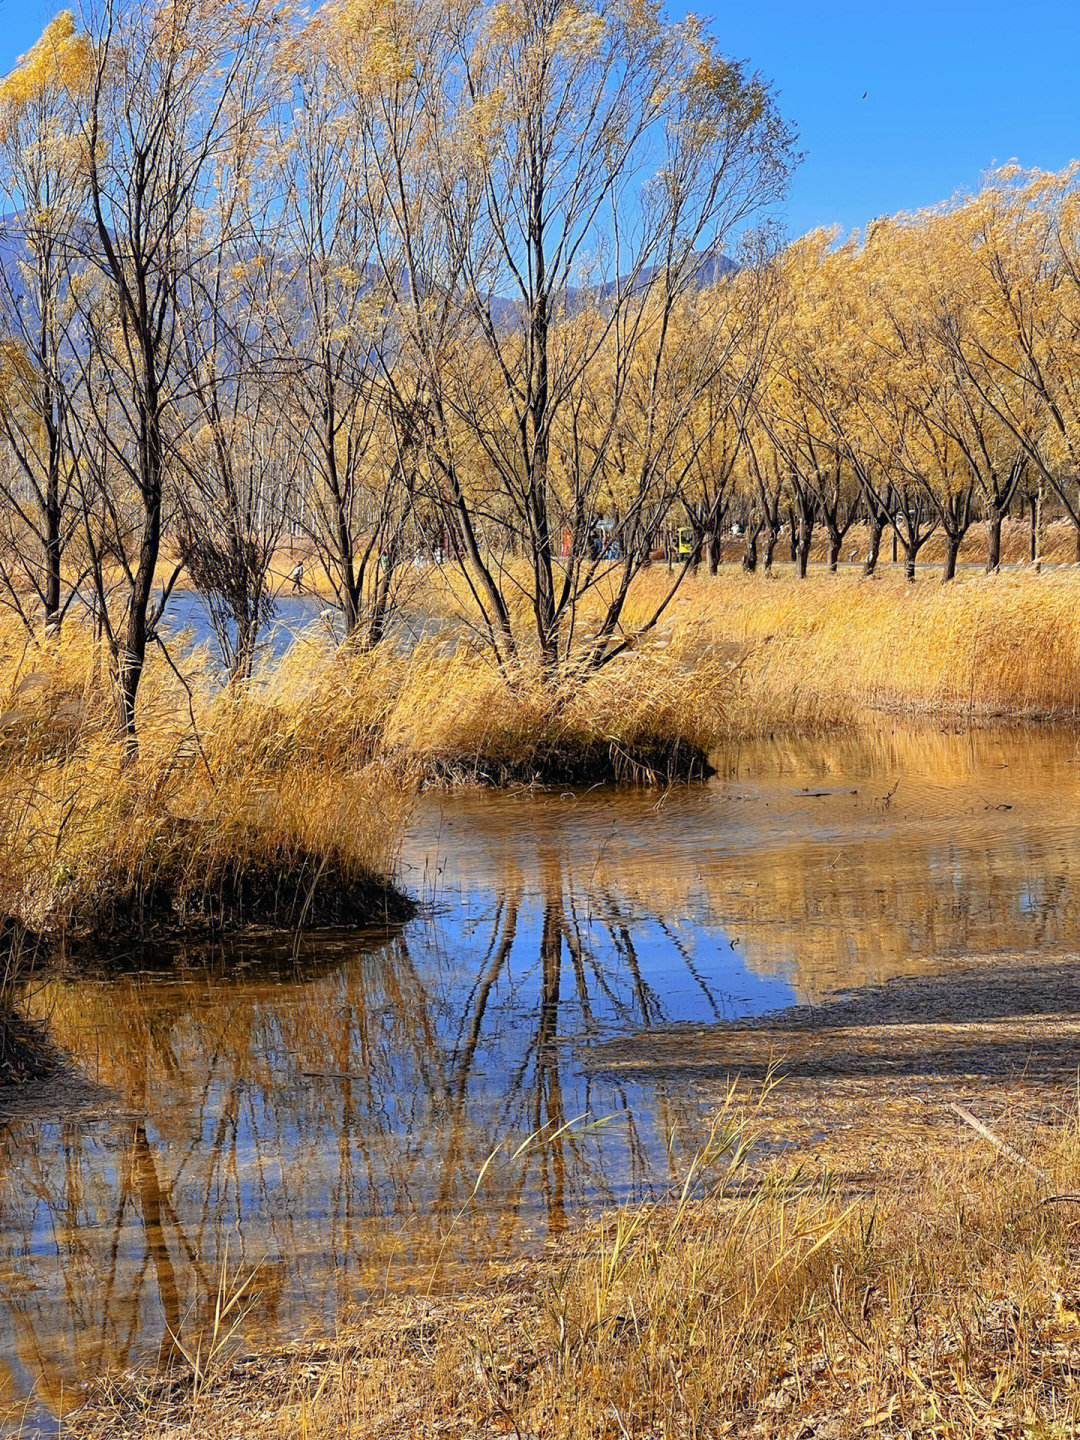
322	1118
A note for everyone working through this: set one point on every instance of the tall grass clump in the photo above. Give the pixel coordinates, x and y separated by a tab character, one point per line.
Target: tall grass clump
199	829
447	712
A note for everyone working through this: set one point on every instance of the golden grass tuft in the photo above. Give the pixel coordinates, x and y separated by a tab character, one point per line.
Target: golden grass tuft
445	711
652	713
207	826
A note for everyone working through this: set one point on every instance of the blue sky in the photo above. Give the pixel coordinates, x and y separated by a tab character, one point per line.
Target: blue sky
953	88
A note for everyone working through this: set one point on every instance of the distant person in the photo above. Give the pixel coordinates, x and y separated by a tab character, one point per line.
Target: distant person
296	575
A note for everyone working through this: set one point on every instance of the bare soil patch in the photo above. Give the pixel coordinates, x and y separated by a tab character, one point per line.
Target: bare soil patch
867	1068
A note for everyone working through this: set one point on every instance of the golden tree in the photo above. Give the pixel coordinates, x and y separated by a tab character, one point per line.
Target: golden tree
555	179
43	180
1016	330
173	89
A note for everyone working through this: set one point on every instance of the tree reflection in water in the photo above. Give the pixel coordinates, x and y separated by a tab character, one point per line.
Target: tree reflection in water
326	1121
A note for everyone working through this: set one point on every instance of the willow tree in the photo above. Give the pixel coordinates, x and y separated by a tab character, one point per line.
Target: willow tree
556	178
335	326
743	308
807	406
42	179
234	459
968	457
1014	324
173	87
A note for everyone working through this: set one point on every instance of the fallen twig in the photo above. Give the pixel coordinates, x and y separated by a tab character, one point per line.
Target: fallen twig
1001	1145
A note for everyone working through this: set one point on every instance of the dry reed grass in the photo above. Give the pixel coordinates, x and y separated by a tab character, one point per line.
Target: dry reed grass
308	770
446	712
1007	644
198	829
776	1303
739	656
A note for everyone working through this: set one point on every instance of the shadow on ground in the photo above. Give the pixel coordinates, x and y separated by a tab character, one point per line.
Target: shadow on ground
1000	1016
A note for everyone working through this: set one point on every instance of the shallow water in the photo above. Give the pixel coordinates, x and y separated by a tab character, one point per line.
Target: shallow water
187	618
187	614
321	1119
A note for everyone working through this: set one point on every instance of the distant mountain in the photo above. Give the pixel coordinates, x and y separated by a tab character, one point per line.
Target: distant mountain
708	269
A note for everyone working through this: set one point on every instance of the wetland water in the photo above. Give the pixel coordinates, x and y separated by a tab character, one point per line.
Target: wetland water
322	1117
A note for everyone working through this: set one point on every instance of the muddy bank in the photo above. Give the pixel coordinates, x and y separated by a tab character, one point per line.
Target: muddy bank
982	1017
308	894
999	1034
663	762
791	1299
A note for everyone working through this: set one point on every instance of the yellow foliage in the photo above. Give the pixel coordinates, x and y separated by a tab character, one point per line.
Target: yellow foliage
374	41
61	60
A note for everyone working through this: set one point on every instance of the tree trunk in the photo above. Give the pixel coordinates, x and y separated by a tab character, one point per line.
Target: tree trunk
714	549
52	535
535	434
993	552
877	529
909	562
805	540
952	551
771	541
132	659
52	565
247	635
835	543
381	600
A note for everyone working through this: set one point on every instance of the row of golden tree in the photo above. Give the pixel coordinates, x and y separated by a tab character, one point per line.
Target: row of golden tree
437	279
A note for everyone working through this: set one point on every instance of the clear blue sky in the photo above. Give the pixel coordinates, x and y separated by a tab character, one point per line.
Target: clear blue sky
954	88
